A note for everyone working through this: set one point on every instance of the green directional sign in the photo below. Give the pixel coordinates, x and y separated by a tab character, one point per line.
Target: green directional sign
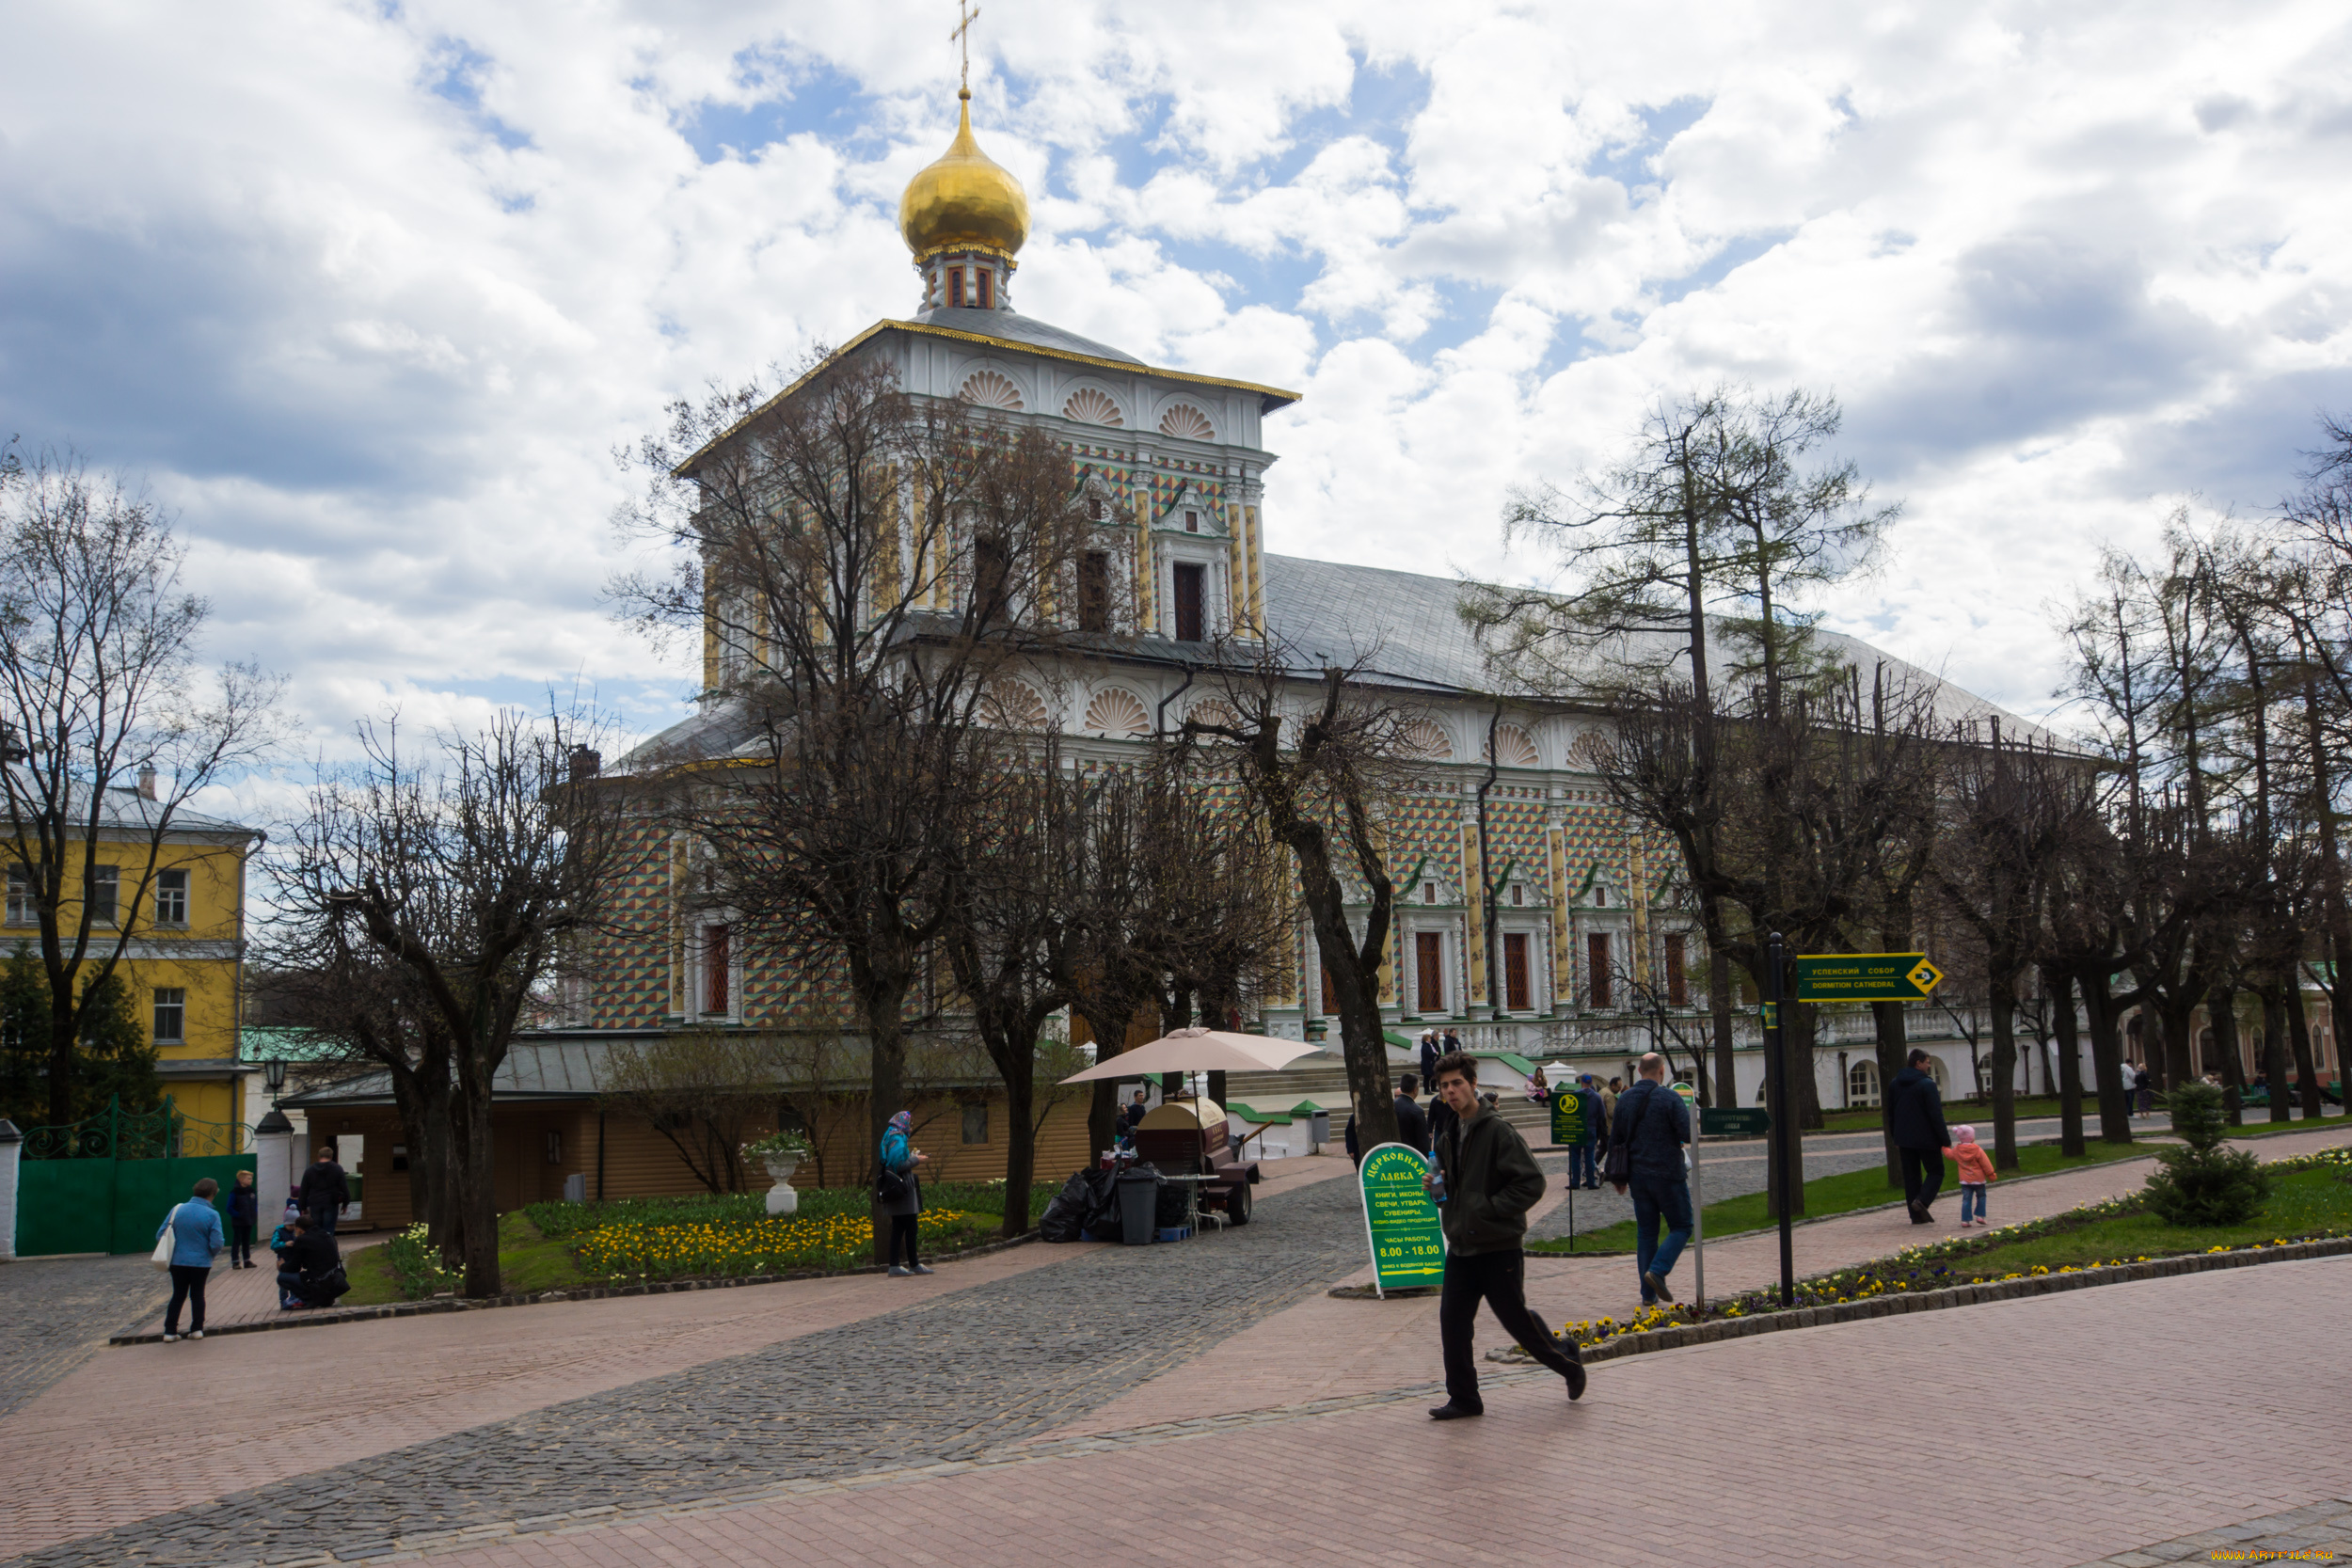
1407	1241
1862	976
1734	1122
1567	1117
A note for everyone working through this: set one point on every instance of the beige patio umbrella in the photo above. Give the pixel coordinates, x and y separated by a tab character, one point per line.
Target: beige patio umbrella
1198	1051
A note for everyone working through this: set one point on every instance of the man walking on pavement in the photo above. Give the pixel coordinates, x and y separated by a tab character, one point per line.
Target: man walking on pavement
1653	1124
1484	1183
1914	1120
325	1190
1429	1054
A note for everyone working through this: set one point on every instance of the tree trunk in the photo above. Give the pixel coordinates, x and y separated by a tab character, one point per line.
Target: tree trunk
61	1022
2221	1008
2059	987
2275	1053
1368	1092
1804	1071
882	974
1719	1007
476	1182
2299	1035
1890	1047
1783	1098
1110	1040
2107	1054
2002	991
1020	1146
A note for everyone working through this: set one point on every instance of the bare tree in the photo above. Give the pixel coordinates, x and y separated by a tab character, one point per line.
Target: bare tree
867	565
474	870
106	727
704	1090
1317	772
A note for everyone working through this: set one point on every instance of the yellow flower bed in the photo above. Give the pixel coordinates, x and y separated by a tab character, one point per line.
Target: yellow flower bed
760	1246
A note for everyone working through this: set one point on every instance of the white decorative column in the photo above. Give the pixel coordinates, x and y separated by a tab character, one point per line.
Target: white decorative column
11	1149
273	1173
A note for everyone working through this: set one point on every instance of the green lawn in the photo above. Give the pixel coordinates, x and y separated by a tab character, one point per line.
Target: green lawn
1979	1113
532	1260
1840	1193
2303	1203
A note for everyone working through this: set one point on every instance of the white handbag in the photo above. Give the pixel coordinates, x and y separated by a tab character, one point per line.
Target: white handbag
161	1257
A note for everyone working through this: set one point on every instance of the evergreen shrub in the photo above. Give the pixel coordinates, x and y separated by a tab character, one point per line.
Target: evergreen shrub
2202	1182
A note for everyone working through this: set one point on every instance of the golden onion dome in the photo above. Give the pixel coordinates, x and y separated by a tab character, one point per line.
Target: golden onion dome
964	200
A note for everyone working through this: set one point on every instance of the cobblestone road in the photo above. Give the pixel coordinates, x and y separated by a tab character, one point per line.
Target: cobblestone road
988	1366
55	1313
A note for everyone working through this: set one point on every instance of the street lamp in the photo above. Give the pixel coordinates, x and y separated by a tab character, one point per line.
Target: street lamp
275	1070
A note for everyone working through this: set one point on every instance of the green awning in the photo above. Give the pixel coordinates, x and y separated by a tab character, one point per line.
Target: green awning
1257	1117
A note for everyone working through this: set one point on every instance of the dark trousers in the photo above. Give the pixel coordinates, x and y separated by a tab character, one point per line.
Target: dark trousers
1580	1169
1499	1280
1923	1175
902	1231
187	1285
323	1215
240	1242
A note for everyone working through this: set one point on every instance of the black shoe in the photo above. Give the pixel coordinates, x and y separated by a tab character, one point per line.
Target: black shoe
1452	1412
1576	1375
1657	1286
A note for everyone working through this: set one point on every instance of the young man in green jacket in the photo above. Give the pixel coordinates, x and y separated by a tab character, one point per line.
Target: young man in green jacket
1484	1183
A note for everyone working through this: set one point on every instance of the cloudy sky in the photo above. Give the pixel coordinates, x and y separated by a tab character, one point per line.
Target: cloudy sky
368	293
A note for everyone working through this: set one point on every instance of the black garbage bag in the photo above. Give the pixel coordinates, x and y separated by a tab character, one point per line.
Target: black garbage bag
1066	1215
1102	1216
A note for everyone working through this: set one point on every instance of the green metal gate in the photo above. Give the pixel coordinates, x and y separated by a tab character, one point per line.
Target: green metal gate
105	1184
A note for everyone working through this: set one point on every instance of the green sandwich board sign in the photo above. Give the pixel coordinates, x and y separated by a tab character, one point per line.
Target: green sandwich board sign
1407	1241
1734	1121
1862	976
1567	1117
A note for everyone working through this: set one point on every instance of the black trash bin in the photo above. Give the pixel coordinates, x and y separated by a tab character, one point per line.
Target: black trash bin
1138	1207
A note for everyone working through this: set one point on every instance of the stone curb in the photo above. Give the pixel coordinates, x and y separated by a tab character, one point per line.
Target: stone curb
324	1319
1931	1301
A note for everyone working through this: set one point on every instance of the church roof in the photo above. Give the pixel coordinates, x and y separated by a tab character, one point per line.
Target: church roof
1408	632
1012	326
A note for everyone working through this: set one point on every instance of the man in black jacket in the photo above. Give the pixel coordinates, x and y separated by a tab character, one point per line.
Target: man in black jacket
306	1262
1915	1118
1654	1125
324	1190
1484	1184
1412	1122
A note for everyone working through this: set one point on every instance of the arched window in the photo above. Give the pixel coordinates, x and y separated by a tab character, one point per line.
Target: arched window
1862	1083
1935	1070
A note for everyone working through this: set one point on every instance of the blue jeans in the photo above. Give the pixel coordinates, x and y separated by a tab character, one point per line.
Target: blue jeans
1653	1200
1581	1172
1971	1192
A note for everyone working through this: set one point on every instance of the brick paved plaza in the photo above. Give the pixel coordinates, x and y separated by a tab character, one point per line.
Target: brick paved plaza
1205	1401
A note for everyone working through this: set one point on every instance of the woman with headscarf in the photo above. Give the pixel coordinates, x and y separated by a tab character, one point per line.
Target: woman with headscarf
901	1190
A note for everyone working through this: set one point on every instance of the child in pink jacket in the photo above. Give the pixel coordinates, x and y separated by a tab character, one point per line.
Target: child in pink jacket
1975	1170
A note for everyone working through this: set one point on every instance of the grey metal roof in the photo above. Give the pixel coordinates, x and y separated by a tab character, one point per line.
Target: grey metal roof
124	809
1408	630
563	1069
1015	328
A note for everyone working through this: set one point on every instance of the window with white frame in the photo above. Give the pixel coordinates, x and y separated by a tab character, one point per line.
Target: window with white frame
101	888
171	1015
22	910
171	898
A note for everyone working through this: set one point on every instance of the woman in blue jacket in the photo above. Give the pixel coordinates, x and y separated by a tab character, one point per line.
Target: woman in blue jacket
196	1241
900	1156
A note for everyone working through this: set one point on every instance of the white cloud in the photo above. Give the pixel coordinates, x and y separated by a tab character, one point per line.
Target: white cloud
369	294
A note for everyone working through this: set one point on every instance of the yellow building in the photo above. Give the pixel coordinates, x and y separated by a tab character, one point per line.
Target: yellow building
183	968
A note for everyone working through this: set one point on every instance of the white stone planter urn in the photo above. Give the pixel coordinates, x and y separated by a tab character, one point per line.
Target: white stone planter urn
782	1200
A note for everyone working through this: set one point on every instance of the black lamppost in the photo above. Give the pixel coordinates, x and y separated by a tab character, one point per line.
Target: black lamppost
273	1070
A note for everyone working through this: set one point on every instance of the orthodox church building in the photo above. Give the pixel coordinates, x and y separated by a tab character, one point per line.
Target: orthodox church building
1588	945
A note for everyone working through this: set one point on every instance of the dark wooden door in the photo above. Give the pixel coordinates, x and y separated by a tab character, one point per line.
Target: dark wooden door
1596	962
1188	600
1429	964
1516	994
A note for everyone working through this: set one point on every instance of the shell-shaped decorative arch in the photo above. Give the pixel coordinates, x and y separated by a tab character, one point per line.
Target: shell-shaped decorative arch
1425	739
1514	747
990	389
1589	751
1214	710
1013	704
1088	406
1183	419
1116	715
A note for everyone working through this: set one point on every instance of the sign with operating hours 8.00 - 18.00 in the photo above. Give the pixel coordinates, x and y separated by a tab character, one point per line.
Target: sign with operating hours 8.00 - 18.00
1408	1241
